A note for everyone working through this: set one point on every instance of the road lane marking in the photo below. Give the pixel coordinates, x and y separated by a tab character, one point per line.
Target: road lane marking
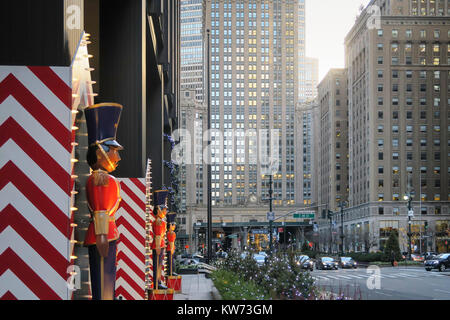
448	292
354	276
332	277
345	277
385	294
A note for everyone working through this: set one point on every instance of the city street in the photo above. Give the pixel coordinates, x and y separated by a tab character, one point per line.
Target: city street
399	283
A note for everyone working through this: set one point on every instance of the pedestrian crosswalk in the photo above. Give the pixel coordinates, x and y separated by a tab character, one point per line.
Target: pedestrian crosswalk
362	274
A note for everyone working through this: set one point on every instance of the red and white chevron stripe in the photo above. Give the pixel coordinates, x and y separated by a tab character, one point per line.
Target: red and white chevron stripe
37	112
130	219
35	181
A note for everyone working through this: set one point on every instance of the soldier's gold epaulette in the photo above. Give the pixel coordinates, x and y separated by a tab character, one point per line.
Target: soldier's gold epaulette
101	178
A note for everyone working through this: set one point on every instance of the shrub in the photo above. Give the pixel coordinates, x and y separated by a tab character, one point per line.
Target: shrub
279	278
392	248
233	287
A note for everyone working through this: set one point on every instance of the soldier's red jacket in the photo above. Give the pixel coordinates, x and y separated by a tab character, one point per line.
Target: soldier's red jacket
159	229
103	197
171	236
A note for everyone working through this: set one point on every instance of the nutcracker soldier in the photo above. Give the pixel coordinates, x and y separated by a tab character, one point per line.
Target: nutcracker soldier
173	280
103	197
171	236
159	232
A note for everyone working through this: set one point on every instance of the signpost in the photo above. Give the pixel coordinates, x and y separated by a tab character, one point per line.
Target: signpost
304	215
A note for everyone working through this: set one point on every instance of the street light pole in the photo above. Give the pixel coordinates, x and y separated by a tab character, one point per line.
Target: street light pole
409	228
209	206
270	210
342	226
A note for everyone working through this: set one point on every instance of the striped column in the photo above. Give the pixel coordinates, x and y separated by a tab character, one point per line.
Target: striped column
35	181
38	106
130	219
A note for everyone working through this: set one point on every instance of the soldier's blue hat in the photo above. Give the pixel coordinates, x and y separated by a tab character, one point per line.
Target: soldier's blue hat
160	198
102	121
171	217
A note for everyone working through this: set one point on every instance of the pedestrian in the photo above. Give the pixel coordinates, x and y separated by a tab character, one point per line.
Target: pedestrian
393	258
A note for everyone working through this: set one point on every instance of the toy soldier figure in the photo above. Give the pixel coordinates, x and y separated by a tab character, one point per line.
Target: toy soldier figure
103	197
171	236
159	232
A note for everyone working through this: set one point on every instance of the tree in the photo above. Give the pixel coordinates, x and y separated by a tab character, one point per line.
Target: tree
392	248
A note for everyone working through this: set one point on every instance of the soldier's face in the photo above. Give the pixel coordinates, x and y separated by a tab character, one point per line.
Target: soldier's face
108	160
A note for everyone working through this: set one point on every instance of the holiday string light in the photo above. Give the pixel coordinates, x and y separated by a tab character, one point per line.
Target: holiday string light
149	218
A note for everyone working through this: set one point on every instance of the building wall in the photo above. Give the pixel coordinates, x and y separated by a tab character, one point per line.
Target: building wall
398	100
253	86
307	142
192	47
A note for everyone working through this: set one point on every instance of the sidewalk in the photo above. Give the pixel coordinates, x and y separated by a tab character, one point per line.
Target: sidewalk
196	287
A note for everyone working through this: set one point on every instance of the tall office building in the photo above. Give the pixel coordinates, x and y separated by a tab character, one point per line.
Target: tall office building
311	81
192	60
254	55
333	150
398	79
254	85
302	60
307	118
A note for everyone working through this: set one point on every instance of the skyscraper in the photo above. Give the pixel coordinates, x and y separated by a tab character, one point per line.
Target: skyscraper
192	60
254	85
254	55
398	60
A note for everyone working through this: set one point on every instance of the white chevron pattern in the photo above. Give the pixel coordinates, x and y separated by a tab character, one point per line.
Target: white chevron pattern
36	122
130	217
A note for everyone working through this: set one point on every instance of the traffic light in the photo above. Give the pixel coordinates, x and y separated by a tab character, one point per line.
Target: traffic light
426	226
330	214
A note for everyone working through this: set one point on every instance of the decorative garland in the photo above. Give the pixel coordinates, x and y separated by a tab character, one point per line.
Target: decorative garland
174	182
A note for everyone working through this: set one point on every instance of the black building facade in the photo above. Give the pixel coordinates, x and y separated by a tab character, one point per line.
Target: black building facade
135	48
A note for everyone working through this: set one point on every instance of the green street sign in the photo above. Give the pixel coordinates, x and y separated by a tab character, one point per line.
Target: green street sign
307	215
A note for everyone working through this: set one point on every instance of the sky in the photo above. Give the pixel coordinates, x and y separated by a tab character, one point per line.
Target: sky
327	24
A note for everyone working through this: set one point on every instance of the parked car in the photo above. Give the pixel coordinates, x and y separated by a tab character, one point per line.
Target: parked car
326	263
305	262
222	254
440	262
429	255
259	258
347	262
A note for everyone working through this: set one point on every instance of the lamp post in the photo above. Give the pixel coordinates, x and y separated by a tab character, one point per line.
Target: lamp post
270	210
342	203
408	198
209	206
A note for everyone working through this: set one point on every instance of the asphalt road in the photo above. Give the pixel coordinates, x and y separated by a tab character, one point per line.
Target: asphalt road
388	283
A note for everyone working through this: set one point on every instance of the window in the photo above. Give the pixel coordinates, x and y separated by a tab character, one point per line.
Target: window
394	33
395	156
395	143
409	142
